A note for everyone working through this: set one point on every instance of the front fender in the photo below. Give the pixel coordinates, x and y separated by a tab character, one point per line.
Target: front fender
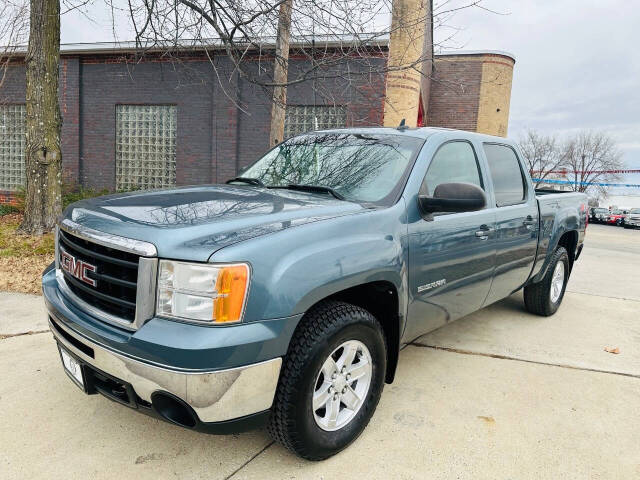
296	268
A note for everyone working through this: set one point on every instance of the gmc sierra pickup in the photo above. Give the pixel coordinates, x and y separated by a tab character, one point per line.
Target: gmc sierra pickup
285	296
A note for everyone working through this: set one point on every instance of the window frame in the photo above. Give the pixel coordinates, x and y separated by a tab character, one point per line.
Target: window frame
287	135
115	150
523	176
475	155
422	189
17	188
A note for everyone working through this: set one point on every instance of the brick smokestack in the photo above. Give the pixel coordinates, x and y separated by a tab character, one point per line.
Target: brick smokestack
406	57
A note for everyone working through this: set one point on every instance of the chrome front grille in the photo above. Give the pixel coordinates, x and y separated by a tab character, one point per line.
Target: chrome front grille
115	277
112	278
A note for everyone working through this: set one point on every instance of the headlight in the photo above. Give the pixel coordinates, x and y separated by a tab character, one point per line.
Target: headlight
205	293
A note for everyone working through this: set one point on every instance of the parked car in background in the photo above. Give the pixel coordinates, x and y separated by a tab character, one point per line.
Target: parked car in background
615	217
598	214
632	219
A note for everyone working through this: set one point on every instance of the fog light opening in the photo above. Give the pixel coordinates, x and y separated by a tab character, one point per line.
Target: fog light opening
173	409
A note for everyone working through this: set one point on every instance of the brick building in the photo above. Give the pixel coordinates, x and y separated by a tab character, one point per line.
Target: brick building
131	123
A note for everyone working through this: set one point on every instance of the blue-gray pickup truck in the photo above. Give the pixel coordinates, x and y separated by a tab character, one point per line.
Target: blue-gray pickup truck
285	296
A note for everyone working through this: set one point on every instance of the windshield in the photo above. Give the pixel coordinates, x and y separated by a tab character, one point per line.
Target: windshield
601	210
361	167
616	212
635	211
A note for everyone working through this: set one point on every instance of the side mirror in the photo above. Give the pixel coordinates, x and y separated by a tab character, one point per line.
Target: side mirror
453	197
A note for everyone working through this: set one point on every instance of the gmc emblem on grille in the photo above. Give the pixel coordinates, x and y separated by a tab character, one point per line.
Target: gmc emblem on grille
77	268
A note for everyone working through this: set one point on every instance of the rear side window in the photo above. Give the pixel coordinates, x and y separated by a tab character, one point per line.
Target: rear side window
508	180
453	162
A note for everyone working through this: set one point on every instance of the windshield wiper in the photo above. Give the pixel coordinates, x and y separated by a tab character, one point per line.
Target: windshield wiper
250	181
312	188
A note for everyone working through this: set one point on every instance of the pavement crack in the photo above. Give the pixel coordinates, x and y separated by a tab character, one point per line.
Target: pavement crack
524	360
30	332
603	296
232	474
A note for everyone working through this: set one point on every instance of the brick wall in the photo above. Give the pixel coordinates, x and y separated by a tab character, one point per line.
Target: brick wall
8	198
70	110
105	84
455	90
471	92
495	95
225	126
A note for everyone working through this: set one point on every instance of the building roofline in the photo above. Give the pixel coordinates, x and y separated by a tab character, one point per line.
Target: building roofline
451	53
372	39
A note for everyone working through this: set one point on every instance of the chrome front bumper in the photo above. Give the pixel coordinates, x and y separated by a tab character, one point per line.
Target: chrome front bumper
216	396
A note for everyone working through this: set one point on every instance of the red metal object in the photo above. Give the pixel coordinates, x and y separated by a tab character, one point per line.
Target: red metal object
613	218
420	122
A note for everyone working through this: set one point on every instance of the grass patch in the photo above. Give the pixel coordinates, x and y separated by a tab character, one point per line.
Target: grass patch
13	244
8	210
22	257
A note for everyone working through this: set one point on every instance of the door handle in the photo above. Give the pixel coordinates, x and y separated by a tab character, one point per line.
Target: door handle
530	221
484	232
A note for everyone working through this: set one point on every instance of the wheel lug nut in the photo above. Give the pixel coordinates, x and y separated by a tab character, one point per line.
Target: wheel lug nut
335	397
344	390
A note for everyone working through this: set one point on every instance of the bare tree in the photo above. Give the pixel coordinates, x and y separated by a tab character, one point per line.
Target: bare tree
323	32
14	26
592	157
280	73
544	154
43	159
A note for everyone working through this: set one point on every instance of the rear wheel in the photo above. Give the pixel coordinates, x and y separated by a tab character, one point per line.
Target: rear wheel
544	298
331	380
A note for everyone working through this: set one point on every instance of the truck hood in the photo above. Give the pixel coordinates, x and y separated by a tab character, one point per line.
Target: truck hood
191	223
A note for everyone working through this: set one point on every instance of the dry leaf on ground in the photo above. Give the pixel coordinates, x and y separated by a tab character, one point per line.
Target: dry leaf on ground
615	350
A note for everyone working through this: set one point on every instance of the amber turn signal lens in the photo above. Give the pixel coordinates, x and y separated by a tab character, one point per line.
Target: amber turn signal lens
231	288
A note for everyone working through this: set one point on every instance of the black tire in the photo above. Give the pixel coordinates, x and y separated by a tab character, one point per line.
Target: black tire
537	296
323	329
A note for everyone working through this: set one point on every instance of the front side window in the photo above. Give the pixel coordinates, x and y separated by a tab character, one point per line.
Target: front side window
145	146
506	174
454	162
12	146
307	118
362	167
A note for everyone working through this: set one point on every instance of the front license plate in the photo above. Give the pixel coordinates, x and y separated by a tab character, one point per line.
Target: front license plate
72	367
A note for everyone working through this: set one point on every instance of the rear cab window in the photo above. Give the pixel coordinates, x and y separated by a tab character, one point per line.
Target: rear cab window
509	182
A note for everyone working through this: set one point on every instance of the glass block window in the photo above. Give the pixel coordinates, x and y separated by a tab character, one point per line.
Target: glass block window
145	146
12	146
306	118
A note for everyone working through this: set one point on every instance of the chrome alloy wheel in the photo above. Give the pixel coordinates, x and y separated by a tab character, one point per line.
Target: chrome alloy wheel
557	282
342	385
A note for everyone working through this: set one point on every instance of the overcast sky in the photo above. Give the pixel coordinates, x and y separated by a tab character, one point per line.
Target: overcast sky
577	64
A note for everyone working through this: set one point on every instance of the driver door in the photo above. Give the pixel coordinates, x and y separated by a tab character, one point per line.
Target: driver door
451	255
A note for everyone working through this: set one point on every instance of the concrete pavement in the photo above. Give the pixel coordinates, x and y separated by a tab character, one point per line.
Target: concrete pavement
498	394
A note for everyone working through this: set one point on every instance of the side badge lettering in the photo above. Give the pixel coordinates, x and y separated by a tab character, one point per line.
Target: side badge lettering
429	286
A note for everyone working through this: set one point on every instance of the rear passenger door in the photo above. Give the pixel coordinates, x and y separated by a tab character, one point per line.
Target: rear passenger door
451	255
516	220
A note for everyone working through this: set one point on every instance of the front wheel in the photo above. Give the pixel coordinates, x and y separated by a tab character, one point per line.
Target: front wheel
544	298
331	380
